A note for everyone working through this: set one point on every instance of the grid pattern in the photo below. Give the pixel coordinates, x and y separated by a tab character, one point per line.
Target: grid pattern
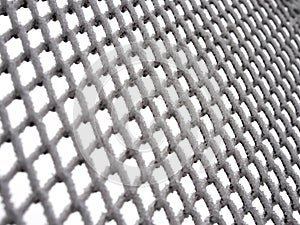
251	50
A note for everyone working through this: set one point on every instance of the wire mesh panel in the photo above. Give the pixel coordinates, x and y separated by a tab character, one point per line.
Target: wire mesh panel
149	112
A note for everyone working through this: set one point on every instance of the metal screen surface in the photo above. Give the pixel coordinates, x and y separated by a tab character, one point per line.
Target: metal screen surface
149	112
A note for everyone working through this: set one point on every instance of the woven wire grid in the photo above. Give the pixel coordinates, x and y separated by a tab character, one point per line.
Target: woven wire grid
251	50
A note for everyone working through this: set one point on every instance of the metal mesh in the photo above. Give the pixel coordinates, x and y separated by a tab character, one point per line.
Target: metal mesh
239	83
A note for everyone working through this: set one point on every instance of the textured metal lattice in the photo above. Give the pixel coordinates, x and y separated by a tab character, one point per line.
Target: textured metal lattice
246	108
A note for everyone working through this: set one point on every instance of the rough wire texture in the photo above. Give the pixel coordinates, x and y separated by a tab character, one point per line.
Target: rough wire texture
251	49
